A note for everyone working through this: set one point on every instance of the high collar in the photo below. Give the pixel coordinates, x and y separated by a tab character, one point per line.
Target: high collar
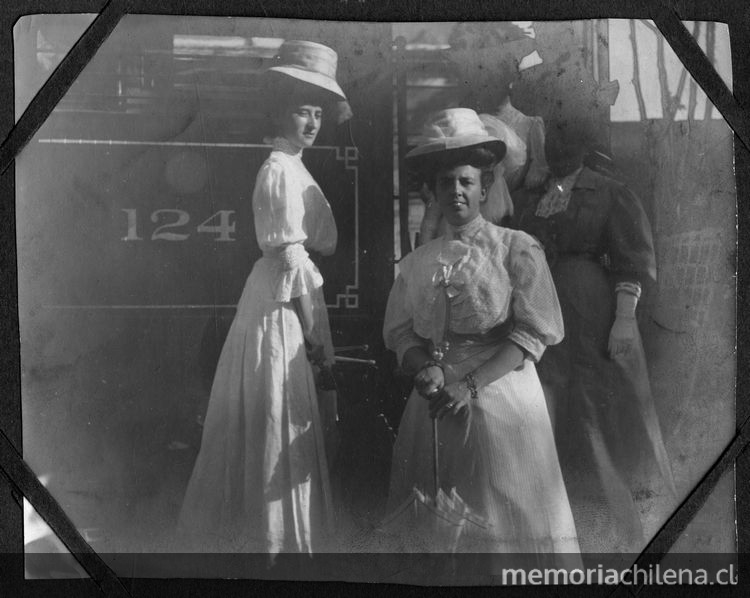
282	144
466	232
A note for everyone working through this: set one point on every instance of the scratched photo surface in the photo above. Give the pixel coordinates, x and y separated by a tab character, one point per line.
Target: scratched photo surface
135	237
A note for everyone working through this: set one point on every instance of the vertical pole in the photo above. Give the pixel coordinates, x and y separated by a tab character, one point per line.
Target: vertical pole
403	187
601	43
710	51
435	478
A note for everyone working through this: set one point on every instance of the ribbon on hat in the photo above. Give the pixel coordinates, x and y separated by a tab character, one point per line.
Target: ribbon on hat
309	56
454	122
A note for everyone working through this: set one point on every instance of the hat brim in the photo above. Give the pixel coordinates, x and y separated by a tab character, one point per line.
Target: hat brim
312	78
450	144
331	90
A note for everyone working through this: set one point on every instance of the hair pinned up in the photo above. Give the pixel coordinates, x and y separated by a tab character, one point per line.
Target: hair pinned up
480	158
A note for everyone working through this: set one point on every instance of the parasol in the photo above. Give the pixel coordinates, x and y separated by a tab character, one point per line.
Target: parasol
437	521
434	522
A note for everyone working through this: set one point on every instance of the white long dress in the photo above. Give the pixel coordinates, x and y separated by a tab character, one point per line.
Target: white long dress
502	460
260	482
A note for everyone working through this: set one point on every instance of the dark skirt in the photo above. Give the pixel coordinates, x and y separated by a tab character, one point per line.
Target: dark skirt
606	428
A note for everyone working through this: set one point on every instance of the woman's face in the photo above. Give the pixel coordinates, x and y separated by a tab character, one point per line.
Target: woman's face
459	193
300	124
563	150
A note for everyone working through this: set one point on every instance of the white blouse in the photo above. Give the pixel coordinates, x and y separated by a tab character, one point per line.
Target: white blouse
291	216
496	276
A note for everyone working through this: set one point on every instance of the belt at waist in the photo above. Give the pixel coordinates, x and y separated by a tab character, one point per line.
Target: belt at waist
276	252
272	253
465	346
291	255
602	259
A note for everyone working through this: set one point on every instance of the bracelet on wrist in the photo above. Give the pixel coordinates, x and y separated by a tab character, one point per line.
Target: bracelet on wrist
471	384
633	288
625	315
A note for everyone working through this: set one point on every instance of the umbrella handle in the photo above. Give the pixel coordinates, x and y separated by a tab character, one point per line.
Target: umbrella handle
435	455
444	347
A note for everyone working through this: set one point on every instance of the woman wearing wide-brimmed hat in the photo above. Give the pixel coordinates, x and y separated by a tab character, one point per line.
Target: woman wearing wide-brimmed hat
260	482
487	57
469	315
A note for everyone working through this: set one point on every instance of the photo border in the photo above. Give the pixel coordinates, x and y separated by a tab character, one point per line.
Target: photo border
20	480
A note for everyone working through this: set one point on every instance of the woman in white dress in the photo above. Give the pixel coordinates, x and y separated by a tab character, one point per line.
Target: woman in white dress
473	360
260	482
488	58
498	207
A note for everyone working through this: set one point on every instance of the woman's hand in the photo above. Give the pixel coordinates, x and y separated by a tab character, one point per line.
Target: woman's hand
429	381
625	328
622	336
316	354
454	399
304	308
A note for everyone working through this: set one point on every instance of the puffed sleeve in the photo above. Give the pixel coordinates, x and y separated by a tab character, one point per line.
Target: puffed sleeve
537	320
278	209
398	328
631	243
538	169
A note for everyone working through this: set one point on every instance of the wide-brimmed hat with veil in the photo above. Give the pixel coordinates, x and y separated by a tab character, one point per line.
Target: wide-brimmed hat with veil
300	64
450	131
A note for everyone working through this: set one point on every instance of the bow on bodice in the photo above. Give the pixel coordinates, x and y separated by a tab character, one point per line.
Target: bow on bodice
449	286
444	278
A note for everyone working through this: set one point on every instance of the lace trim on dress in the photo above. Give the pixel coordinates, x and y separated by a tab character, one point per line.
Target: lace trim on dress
297	282
293	256
466	232
557	196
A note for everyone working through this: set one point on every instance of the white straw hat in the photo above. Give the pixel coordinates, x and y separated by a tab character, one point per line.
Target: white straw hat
453	129
314	64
